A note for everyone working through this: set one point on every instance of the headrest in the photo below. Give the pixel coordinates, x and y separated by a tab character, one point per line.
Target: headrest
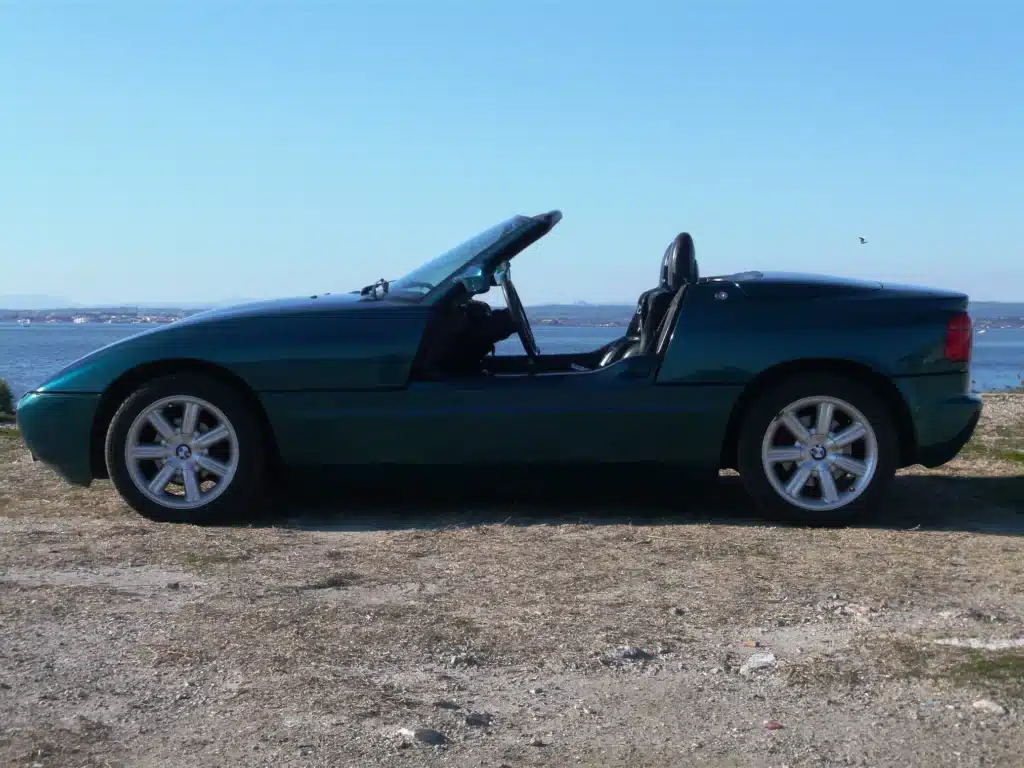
681	262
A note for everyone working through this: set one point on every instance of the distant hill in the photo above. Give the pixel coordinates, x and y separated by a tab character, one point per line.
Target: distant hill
53	303
196	305
33	301
583	314
992	310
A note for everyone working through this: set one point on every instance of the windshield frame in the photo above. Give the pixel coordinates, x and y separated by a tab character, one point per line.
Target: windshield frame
450	264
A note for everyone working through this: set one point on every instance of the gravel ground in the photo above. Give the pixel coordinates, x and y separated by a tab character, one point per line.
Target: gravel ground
581	632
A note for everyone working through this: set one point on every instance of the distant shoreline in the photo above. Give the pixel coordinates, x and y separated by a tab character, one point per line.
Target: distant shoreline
986	316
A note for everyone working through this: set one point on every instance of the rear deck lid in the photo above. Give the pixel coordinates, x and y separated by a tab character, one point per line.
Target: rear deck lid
794	285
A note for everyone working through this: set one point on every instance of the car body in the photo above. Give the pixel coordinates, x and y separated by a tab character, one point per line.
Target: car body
338	380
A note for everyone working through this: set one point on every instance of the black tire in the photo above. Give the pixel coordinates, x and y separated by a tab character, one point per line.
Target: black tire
761	414
243	493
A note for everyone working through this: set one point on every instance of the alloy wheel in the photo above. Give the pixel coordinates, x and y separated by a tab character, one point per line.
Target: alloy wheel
181	452
819	453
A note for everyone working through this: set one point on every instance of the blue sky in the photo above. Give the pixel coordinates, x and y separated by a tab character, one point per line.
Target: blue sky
195	151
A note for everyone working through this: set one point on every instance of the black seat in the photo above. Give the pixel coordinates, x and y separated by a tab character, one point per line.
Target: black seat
679	269
636	324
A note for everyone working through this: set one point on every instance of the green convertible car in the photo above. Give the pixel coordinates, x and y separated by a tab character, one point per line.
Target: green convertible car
815	389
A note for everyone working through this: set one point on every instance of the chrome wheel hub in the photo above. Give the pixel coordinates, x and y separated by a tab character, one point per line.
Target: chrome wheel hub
181	452
819	453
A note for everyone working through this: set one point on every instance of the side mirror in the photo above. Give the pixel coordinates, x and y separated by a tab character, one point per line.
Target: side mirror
475	281
475	285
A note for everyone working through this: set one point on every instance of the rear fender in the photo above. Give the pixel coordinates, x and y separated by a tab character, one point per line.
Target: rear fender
723	336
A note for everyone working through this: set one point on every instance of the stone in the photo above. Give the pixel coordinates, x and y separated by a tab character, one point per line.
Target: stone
630	653
478	718
423	735
757	662
1003	644
987	705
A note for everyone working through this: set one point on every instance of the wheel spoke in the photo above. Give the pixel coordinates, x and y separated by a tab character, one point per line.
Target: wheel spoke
796	483
826	411
851	465
829	493
162	425
785	453
211	465
796	427
150	451
163	477
189	419
849	435
212	437
192	492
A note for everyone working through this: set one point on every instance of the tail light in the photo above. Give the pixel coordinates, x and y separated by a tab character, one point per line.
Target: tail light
959	338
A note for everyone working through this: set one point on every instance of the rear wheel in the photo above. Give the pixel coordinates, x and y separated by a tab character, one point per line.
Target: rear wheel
186	448
818	449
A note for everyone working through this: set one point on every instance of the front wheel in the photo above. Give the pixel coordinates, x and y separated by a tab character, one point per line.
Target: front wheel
186	448
818	449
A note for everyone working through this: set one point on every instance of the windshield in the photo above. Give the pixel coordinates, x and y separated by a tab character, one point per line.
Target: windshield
424	279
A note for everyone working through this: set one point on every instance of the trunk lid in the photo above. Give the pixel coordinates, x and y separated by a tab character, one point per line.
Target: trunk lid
795	285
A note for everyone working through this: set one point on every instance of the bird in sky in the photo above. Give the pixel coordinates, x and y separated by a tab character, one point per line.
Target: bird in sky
862	240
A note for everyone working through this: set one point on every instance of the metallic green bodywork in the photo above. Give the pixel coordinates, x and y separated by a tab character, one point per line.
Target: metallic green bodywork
333	376
58	429
613	414
943	415
325	343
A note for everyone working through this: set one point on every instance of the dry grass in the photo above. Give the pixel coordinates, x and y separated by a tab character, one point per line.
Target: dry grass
312	640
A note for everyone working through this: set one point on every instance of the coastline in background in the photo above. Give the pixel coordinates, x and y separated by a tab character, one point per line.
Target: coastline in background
29	354
986	314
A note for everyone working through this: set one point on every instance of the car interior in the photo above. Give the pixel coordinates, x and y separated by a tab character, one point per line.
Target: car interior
460	340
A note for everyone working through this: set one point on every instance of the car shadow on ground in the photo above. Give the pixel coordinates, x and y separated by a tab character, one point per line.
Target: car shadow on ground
400	499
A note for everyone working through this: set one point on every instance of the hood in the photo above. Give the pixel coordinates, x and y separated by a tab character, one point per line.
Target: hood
194	336
298	305
328	304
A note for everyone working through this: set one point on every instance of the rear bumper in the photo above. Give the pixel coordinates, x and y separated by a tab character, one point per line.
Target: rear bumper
57	429
944	416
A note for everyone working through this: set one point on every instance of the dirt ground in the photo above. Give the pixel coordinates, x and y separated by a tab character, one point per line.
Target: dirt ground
586	631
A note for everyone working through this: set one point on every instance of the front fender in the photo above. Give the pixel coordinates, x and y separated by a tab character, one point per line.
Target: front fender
96	371
270	354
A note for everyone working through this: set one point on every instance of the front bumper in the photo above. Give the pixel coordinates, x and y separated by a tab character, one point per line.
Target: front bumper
57	428
944	416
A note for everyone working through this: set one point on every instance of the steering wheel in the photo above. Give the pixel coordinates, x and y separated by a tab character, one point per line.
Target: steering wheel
518	313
